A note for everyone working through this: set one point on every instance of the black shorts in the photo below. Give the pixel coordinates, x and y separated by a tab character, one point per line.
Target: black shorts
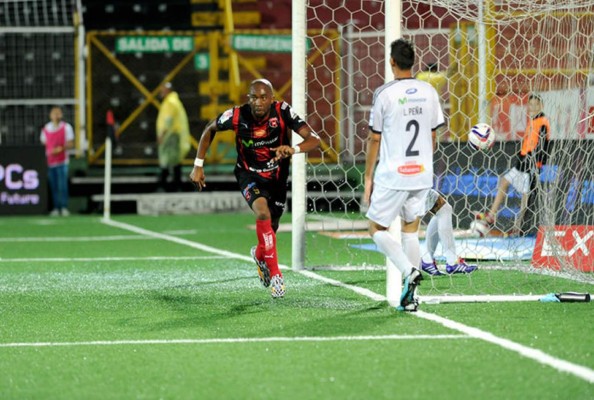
252	187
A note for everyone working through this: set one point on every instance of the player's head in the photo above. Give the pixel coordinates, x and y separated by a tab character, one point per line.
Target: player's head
260	97
56	114
402	54
165	89
534	104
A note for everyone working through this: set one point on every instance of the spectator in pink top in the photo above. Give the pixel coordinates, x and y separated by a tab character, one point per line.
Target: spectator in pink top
58	137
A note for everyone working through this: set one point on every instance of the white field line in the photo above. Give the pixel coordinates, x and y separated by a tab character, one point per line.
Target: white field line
93	259
575	276
334	282
539	356
185	242
235	340
89	238
73	238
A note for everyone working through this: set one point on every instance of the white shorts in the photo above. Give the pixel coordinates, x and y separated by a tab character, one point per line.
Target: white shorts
386	204
519	180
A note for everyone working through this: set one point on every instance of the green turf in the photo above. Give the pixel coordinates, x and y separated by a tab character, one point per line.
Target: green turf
87	291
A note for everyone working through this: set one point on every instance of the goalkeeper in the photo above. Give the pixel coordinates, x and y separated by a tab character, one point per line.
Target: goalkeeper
523	176
262	130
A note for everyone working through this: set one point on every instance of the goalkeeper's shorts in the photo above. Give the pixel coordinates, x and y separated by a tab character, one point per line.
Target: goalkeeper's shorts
518	179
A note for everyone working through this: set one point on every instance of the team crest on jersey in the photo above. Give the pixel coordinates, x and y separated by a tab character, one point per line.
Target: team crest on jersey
273	122
225	116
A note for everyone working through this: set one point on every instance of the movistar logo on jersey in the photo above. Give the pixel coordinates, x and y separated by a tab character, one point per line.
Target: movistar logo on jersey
405	100
259	143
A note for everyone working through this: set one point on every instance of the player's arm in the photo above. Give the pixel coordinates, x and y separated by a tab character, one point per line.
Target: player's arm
373	145
311	141
197	175
543	147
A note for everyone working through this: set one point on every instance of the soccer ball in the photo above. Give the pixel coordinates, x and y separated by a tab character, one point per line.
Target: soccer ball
479	228
481	137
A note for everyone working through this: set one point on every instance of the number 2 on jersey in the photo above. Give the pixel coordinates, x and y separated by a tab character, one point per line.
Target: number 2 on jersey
414	125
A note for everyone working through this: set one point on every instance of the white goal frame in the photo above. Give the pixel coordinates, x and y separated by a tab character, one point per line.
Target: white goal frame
392	12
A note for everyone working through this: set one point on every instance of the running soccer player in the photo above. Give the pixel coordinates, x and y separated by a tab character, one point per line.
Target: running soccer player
262	129
405	115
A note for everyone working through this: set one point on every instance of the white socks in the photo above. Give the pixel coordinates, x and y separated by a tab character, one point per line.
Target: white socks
431	240
393	250
440	229
411	247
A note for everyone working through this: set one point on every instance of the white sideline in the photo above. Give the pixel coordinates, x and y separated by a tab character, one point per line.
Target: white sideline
539	356
235	340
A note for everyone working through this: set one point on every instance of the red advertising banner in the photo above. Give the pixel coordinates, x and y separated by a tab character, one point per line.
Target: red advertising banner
573	244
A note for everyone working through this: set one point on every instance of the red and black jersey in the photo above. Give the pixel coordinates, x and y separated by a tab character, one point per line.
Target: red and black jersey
254	139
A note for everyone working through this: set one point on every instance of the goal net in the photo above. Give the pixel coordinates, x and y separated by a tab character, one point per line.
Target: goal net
485	59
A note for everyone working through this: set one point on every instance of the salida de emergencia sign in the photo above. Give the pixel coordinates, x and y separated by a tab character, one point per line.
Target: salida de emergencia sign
154	44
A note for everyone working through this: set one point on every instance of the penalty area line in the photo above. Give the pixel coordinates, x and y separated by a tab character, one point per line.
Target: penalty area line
236	340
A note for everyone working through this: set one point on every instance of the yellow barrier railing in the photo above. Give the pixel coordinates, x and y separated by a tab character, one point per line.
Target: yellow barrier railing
232	91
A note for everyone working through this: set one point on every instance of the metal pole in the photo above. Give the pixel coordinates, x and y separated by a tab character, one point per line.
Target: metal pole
107	180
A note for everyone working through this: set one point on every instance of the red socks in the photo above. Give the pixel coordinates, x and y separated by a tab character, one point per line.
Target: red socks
266	250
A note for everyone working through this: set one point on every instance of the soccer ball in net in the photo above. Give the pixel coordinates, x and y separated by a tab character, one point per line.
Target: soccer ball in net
481	137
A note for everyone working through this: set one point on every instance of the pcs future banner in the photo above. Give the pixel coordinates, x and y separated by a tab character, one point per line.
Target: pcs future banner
23	180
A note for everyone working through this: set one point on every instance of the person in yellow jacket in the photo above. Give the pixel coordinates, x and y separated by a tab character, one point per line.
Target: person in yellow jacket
434	77
173	137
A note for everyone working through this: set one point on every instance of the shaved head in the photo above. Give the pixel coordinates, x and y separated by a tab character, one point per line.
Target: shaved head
262	81
260	98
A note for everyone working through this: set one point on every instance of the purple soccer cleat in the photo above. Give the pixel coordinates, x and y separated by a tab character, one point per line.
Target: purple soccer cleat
461	268
431	268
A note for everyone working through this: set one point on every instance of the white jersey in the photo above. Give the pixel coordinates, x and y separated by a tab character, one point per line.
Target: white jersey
405	112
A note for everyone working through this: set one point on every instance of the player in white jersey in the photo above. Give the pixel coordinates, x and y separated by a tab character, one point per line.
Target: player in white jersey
404	117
